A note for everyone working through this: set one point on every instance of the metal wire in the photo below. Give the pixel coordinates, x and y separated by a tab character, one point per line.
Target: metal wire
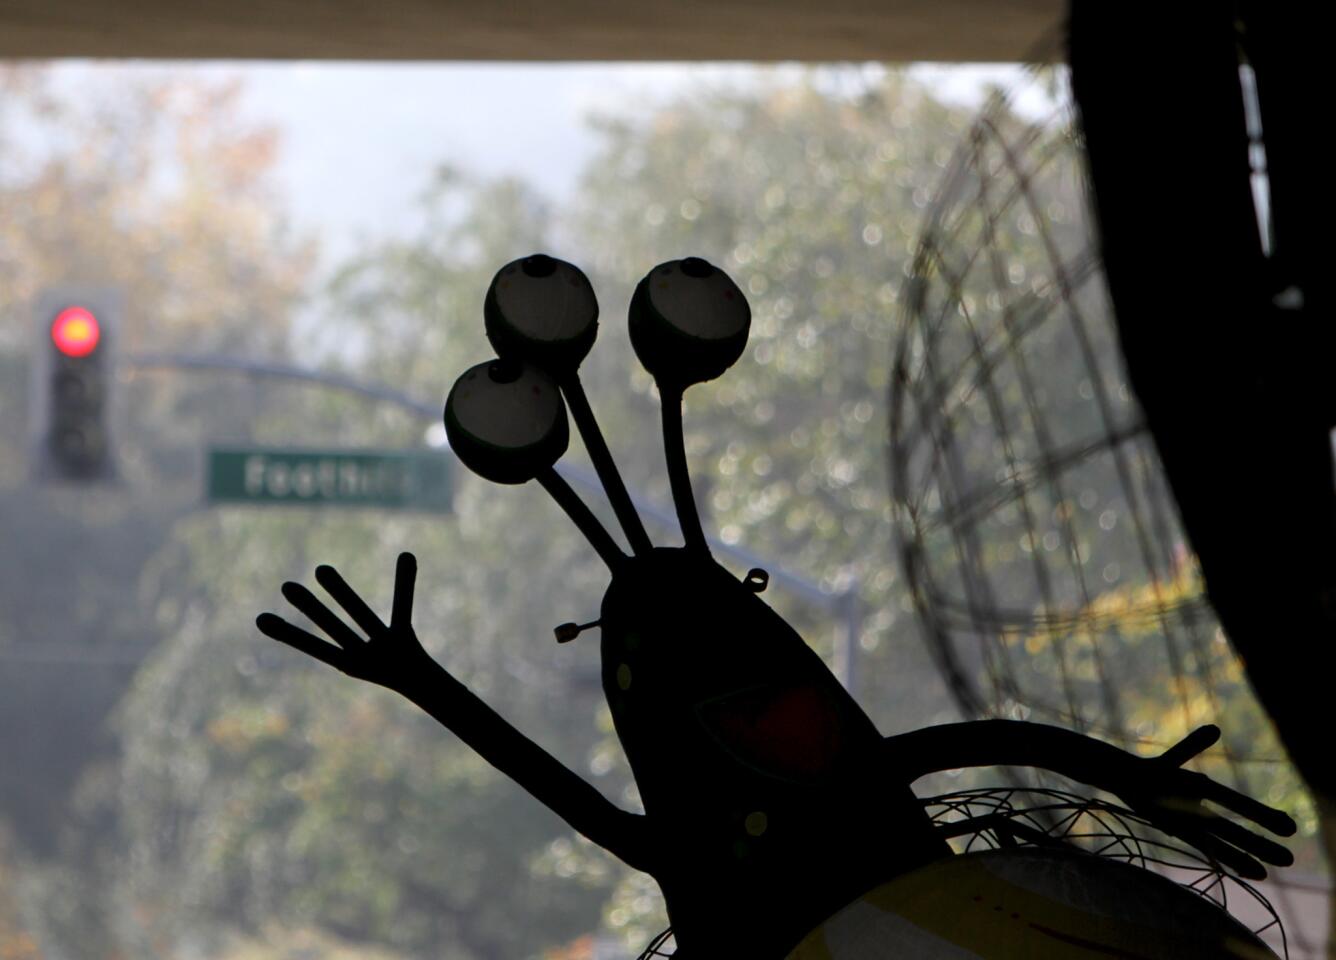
1027	492
1009	817
995	818
662	945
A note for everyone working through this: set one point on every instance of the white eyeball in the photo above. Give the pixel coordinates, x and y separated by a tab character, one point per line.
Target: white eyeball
506	421
689	321
543	311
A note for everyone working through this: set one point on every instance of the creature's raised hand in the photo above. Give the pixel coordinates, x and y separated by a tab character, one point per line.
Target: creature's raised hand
1172	799
388	655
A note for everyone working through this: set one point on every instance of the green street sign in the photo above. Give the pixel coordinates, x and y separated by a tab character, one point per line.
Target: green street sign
388	479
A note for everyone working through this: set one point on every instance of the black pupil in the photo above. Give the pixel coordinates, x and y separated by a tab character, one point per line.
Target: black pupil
539	265
696	267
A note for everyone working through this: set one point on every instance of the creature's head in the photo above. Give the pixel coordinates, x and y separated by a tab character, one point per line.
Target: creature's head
676	626
697	669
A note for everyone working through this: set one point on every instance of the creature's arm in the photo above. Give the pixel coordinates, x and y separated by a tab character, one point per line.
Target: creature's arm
1156	787
392	657
622	833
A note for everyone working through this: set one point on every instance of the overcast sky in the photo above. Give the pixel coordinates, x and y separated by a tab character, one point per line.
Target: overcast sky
360	140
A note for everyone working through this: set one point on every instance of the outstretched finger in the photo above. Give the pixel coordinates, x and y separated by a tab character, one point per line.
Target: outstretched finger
405	578
1247	841
346	597
1277	821
275	627
1230	857
1191	745
319	614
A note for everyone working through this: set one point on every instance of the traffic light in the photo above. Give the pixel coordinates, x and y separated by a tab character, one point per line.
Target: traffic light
75	340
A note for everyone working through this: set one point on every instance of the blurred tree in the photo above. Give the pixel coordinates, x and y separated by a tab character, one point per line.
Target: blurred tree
1165	707
296	796
314	798
814	201
809	193
16	942
258	788
160	188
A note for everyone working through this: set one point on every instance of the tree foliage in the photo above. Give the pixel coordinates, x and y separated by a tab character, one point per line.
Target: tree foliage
255	789
381	823
161	189
322	801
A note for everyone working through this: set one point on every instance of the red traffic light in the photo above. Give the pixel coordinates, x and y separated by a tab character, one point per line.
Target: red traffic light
75	332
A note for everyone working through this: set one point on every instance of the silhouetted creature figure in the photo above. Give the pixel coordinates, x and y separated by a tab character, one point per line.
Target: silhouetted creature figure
771	800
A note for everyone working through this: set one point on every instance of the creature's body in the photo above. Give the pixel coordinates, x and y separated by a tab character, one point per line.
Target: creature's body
771	800
762	779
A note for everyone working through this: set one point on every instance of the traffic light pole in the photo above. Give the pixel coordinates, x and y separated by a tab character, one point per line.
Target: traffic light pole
844	604
279	371
73	364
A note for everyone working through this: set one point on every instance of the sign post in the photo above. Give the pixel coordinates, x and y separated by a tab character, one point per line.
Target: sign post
394	480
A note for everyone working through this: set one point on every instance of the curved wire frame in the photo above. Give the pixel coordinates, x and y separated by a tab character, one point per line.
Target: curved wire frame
662	945
1004	817
1008	817
1039	539
1026	485
1036	529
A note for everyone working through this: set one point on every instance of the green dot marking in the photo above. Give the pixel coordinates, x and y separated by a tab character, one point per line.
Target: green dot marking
756	823
624	677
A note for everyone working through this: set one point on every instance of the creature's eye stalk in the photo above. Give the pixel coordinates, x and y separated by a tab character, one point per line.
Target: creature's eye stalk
542	310
506	421
689	322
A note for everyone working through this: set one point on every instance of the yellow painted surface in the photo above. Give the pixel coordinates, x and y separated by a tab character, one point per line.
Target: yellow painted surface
1030	905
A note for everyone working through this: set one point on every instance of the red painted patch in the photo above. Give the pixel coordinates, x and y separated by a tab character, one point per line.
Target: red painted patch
791	732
